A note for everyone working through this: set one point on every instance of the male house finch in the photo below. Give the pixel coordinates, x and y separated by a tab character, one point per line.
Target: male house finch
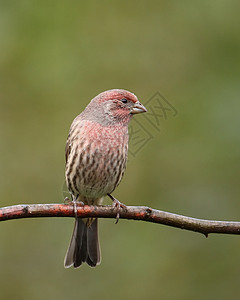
96	155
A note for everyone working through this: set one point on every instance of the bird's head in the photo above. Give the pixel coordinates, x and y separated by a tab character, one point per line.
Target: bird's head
115	106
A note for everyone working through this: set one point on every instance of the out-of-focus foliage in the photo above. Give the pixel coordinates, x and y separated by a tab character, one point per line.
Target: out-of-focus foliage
55	56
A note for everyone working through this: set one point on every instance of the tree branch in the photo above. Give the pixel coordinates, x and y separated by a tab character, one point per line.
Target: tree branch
142	213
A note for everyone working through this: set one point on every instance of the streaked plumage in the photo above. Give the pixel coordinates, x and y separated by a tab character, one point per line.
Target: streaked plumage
96	156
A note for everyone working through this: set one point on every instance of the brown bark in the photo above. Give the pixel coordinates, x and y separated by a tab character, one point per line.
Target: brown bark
130	212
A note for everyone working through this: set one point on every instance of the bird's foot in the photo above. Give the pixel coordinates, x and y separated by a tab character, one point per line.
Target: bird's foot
117	205
75	204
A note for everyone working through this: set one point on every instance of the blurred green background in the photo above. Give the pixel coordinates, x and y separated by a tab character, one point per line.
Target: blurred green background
55	56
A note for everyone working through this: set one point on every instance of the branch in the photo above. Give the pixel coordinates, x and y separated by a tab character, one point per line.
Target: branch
142	213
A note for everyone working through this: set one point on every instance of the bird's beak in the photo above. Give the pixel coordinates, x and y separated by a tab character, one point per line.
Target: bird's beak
138	108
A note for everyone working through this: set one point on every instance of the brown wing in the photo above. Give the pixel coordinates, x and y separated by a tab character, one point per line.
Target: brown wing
67	149
75	128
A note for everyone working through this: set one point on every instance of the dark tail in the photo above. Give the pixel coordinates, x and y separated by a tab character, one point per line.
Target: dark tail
84	245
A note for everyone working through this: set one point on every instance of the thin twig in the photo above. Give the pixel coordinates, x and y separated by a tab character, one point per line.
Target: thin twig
142	213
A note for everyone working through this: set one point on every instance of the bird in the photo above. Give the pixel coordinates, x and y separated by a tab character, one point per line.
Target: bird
96	156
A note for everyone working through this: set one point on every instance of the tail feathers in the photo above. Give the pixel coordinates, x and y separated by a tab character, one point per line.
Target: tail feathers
93	249
84	245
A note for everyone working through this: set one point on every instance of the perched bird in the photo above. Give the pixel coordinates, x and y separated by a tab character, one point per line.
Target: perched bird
96	156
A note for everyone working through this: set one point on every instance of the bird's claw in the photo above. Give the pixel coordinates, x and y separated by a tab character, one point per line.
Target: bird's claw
117	205
75	204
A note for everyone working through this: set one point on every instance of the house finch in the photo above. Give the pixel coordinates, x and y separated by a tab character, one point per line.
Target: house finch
96	156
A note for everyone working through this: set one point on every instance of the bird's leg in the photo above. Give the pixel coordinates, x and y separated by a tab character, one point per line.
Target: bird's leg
118	205
67	201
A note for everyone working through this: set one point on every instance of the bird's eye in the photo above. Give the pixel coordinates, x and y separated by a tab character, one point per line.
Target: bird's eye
124	100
